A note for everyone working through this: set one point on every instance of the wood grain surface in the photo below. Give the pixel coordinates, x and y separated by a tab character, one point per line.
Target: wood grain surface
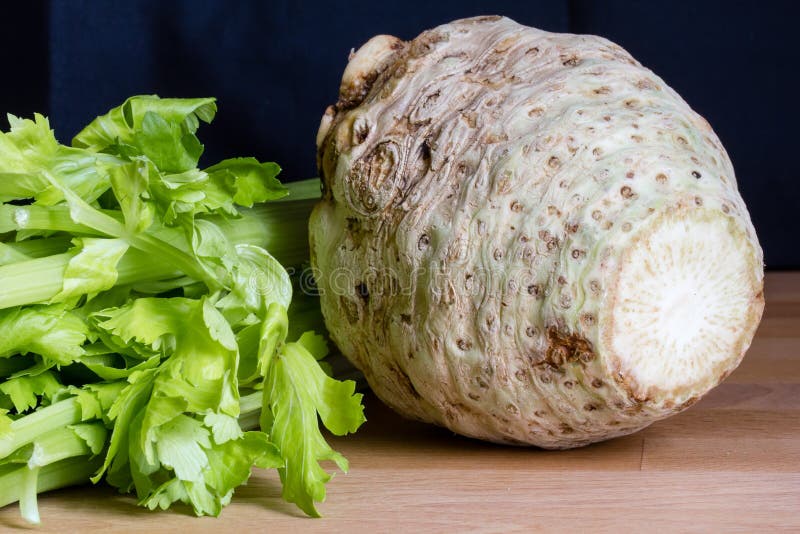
729	463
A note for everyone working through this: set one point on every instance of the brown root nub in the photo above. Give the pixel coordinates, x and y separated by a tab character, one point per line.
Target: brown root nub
364	67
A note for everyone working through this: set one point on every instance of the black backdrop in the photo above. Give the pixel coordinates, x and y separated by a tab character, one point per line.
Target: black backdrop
274	66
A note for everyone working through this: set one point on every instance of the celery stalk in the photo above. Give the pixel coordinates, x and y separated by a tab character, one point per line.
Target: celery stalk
29	427
68	472
280	228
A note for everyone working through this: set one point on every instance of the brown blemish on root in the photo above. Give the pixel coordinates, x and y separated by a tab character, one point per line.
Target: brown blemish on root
363	292
402	379
564	348
646	84
453	410
423	242
688	402
464	344
571	60
349	309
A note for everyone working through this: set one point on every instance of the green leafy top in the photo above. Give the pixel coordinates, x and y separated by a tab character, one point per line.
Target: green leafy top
158	318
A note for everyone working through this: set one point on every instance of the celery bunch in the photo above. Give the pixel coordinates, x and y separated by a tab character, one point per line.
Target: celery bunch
147	318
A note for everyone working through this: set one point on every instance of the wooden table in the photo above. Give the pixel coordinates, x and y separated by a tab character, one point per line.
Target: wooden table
731	462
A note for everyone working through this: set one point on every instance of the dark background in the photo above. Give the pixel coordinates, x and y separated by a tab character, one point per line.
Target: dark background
275	66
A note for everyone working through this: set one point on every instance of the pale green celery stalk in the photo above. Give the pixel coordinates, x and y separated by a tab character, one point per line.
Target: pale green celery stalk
39	280
39	422
279	227
62	443
50	448
69	472
39	248
310	189
111	225
54	218
250	410
10	255
28	503
176	258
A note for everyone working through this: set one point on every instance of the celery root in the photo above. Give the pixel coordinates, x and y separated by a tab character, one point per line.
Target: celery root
528	237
